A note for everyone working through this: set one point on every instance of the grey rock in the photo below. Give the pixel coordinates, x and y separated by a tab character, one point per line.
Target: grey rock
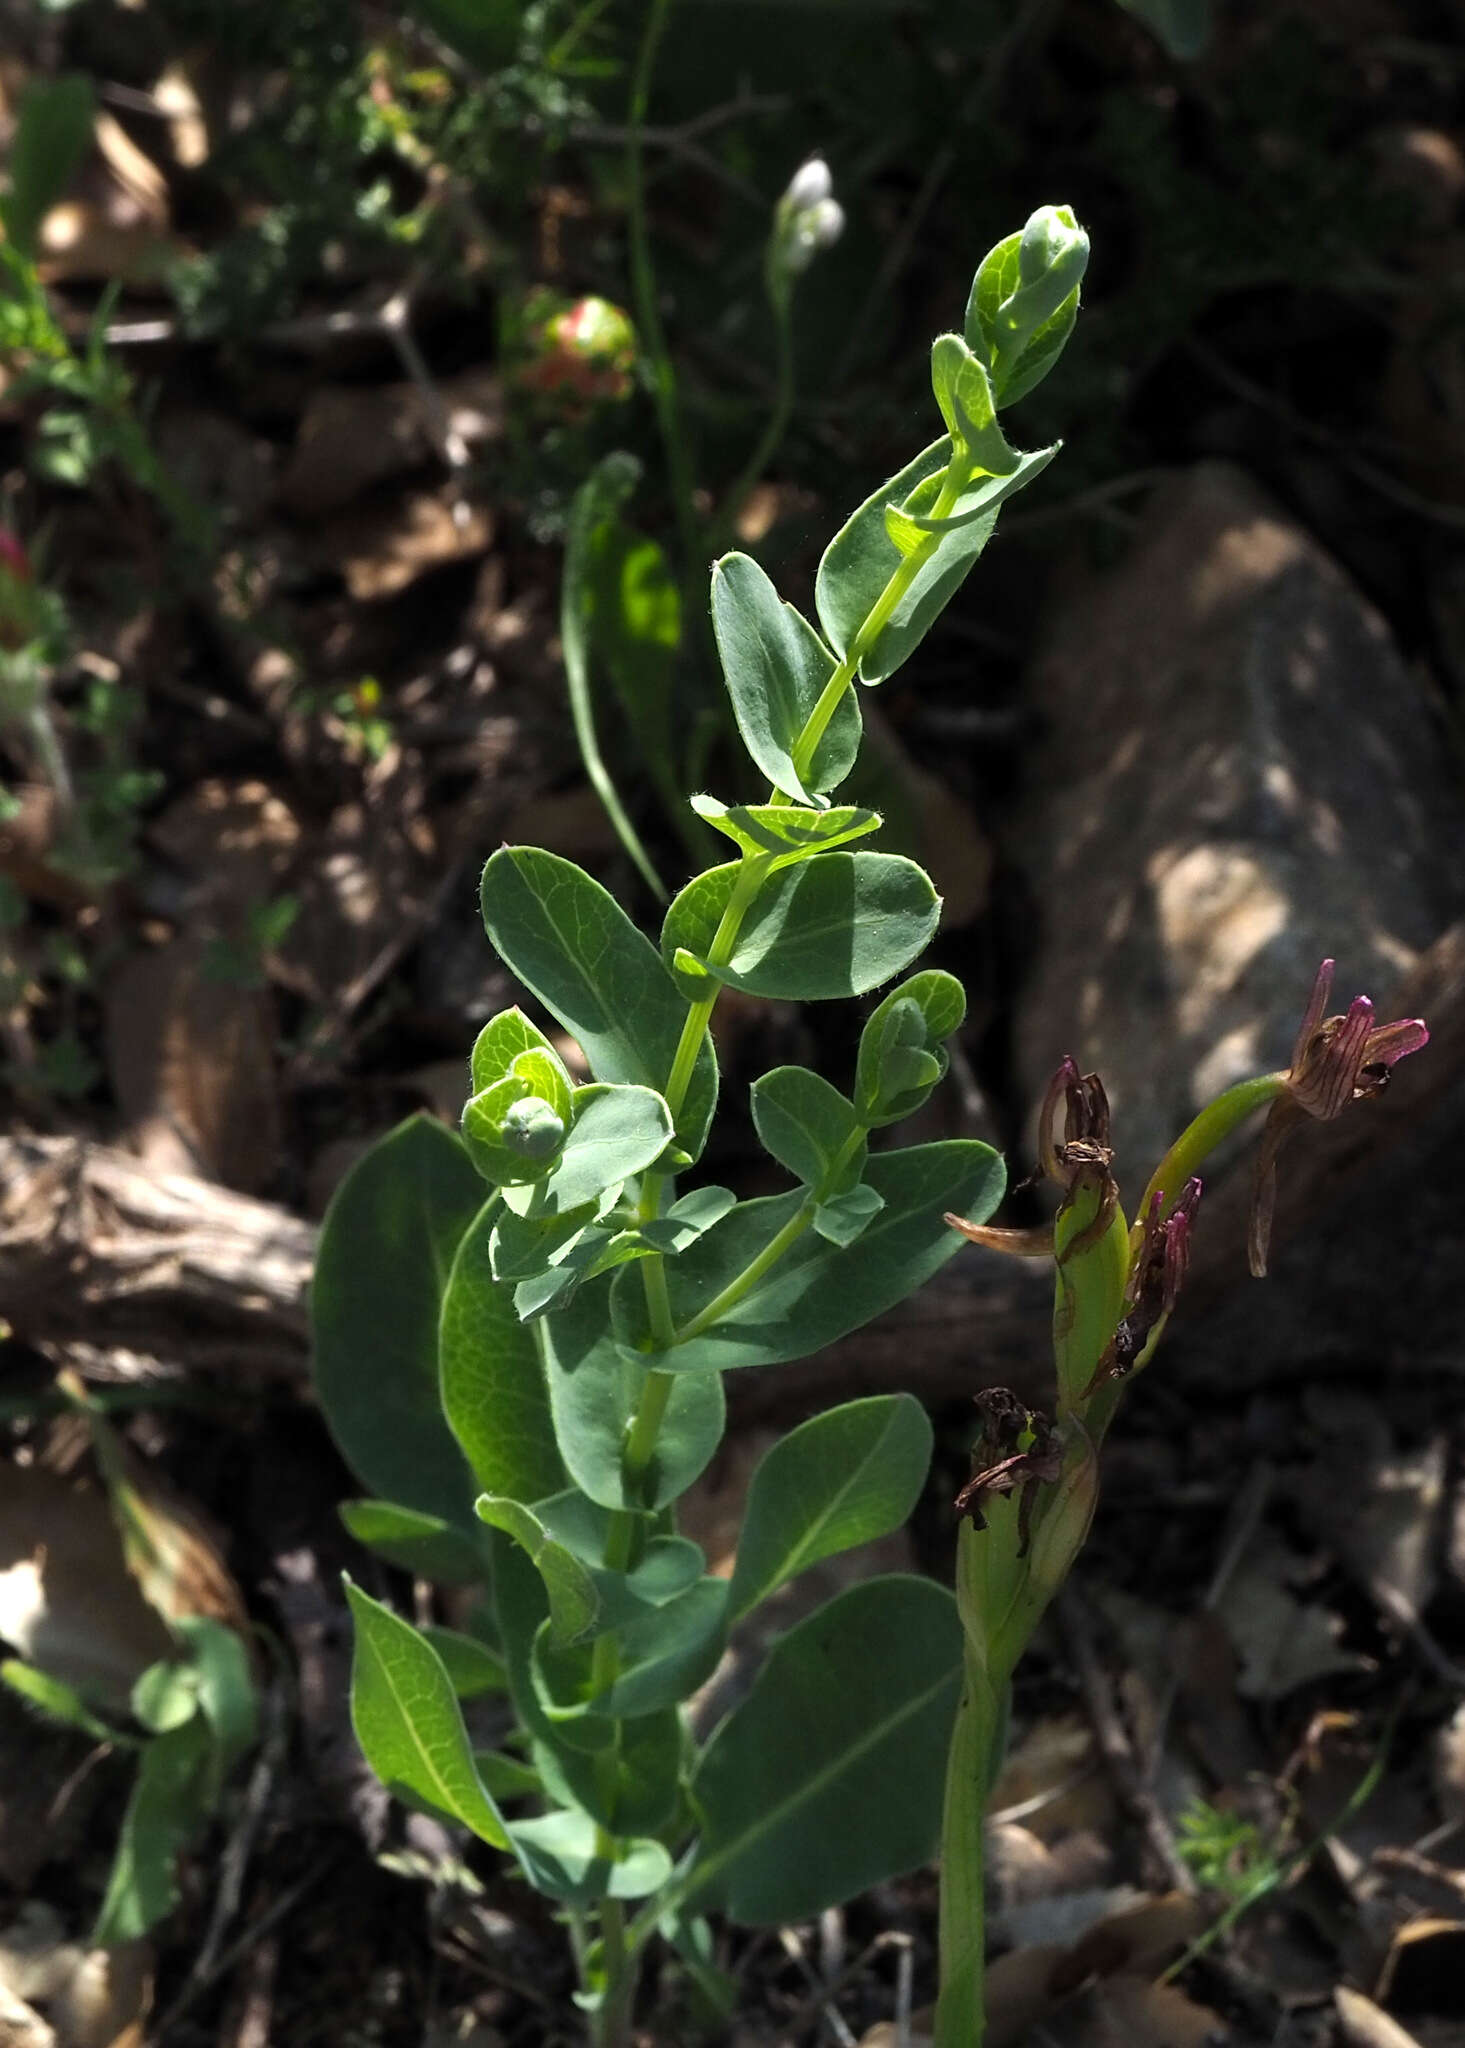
1239	776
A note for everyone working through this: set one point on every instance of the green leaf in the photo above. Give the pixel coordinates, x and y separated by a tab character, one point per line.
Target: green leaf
1183	26
473	1668
570	942
164	1697
386	1248
617	1131
1024	301
486	32
505	1777
493	1388
902	1050
424	1545
163	1811
775	666
665	1653
501	1041
839	1479
819	1292
54	1698
225	1692
964	393
559	1852
52	133
631	1790
835	925
592	510
513	1135
573	1604
666	1567
635	626
845	1217
786	831
408	1722
828	1777
595	1388
806	1124
862	558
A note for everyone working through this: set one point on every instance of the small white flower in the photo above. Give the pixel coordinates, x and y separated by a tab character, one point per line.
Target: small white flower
810	184
825	222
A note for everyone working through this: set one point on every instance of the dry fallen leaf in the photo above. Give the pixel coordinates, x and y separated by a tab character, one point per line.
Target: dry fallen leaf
353	436
93	1998
1364	2025
1283	1642
1424	1971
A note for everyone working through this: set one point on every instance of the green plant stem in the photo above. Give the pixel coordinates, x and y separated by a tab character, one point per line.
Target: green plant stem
1205	1132
960	2006
613	2021
958	475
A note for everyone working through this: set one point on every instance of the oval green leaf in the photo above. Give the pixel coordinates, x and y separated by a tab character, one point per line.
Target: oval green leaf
493	1389
569	941
828	1778
386	1247
408	1721
839	1479
838	924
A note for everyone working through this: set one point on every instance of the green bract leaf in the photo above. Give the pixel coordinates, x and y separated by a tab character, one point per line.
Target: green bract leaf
664	1654
808	1126
408	1722
163	1811
845	1217
616	1131
573	1605
862	558
902	1051
775	666
835	925
595	1388
386	1247
784	830
492	1382
630	1791
819	1292
570	942
559	1854
472	1667
512	1135
500	1042
842	1478
964	393
828	1777
1024	301
424	1545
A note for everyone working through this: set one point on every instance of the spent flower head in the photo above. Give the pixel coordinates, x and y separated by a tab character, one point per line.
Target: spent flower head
1336	1061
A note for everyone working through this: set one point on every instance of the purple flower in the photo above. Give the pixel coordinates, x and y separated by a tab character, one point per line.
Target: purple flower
1336	1060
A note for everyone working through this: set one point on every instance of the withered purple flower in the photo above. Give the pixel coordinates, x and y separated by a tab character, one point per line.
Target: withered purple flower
1336	1060
1006	1464
1155	1275
1082	1158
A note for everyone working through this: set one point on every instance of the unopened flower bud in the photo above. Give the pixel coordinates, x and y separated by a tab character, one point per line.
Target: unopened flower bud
532	1129
810	184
